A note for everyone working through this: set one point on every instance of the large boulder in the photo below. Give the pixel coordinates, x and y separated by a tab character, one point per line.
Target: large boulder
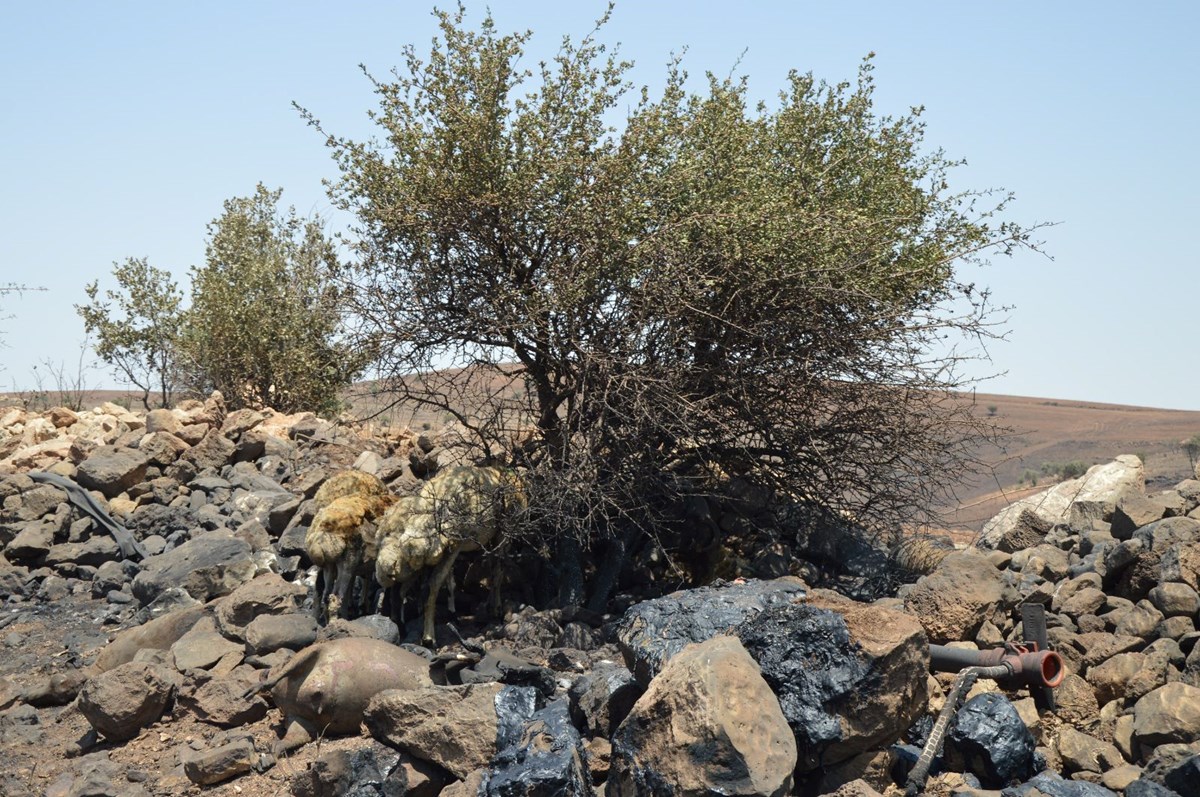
708	724
1170	713
122	701
112	470
953	601
850	677
268	593
455	727
207	567
653	631
213	451
1096	493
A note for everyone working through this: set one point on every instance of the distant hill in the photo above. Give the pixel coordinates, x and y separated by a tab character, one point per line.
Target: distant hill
1050	431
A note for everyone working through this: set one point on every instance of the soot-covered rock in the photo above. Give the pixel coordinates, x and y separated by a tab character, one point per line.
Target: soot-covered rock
546	761
849	677
989	739
1144	787
1184	777
375	770
653	631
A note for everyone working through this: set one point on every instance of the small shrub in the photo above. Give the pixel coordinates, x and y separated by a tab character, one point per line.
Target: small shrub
1074	469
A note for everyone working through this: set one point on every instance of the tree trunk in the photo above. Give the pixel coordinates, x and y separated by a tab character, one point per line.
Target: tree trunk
608	574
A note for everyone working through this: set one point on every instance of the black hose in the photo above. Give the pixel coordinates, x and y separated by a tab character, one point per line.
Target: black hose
920	771
83	501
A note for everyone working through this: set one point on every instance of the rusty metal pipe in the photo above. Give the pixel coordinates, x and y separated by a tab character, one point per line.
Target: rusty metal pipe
1027	667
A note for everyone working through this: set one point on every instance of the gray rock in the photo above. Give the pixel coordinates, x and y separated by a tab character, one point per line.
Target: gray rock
1133	511
214	451
269	632
373	626
1170	713
32	543
1083	753
93	552
265	594
162	420
1141	622
207	567
112	470
241	421
219	764
953	601
222	702
202	647
602	698
35	503
162	448
1110	677
1175	598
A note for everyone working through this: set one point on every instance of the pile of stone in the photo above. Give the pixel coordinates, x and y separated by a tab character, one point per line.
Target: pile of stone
749	688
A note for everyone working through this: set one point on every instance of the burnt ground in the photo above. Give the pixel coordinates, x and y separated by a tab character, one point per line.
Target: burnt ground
40	748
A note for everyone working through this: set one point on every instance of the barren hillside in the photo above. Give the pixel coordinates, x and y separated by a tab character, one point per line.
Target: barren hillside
1055	431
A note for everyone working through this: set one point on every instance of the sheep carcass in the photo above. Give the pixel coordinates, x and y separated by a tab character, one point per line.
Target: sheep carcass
460	509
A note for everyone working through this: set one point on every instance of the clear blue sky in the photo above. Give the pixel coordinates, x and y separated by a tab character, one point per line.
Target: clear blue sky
126	124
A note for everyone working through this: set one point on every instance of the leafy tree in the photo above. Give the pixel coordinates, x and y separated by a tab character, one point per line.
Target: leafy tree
714	296
139	337
265	318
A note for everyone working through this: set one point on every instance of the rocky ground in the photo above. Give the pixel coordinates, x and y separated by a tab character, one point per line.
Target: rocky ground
134	655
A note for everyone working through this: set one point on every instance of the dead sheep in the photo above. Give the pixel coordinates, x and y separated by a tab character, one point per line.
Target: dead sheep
325	688
342	542
461	509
